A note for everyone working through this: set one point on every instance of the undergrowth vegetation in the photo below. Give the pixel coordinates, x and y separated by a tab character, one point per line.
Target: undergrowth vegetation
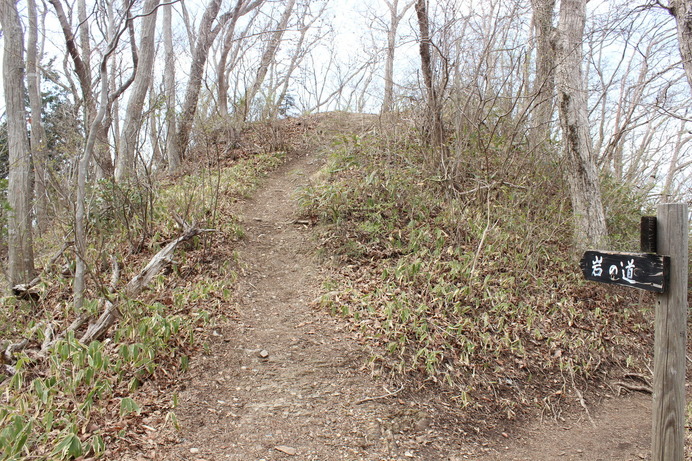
471	285
73	399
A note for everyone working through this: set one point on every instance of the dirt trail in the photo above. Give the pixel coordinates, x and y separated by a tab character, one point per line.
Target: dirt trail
286	381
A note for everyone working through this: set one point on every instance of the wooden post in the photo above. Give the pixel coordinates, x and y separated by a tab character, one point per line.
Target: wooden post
668	412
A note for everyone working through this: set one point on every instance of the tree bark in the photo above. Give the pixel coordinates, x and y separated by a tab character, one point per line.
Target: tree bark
221	81
19	240
581	171
125	165
172	152
544	83
38	134
435	131
205	37
682	11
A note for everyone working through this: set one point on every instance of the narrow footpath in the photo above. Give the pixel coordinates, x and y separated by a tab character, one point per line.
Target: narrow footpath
284	380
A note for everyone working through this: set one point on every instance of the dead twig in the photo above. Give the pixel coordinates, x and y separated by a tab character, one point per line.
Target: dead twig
580	397
384	396
51	339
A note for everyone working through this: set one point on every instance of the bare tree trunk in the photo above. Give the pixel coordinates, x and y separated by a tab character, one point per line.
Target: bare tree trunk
83	168
172	151
125	165
682	11
544	83
102	154
80	67
19	240
301	51
221	81
267	58
582	174
38	134
205	37
83	71
84	38
395	18
156	160
435	131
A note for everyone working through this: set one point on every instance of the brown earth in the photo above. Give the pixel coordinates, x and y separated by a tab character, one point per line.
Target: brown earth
284	380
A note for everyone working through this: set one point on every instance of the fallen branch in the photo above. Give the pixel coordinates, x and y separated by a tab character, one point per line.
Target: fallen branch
99	328
135	286
28	291
8	353
159	261
9	349
59	253
50	341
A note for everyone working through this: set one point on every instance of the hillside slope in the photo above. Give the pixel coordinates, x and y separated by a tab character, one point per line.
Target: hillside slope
290	377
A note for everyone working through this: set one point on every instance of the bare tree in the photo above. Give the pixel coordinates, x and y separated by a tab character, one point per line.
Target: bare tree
242	8
133	119
267	57
582	174
172	150
327	83
435	130
19	240
395	17
544	83
82	69
682	139
94	131
302	48
38	134
206	34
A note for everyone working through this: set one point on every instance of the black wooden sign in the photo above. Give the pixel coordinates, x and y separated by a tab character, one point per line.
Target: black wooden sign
638	270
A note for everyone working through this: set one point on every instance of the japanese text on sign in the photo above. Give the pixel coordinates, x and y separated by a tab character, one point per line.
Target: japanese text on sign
638	270
625	271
